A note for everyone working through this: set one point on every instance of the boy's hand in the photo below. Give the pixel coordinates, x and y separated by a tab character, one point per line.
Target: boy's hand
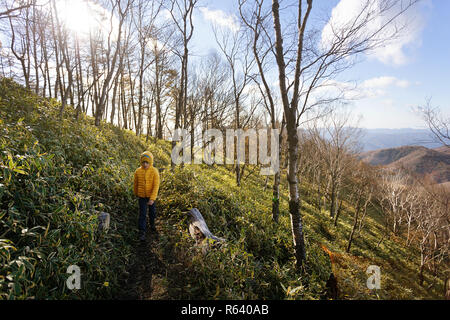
150	202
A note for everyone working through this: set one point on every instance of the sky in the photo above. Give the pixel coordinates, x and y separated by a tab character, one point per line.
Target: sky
392	82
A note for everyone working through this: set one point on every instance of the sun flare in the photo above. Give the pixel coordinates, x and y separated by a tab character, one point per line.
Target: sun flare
76	15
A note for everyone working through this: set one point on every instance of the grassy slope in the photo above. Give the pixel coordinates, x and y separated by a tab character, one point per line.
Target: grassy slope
54	175
95	168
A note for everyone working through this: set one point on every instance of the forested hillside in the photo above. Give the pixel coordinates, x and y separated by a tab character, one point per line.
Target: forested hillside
57	173
423	162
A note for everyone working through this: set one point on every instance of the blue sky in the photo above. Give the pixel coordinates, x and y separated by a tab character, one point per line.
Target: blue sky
393	83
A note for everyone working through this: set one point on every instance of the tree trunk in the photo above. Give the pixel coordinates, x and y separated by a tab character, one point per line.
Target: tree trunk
158	120
290	112
355	222
338	213
333	199
319	196
276	197
395	224
277	177
422	266
294	199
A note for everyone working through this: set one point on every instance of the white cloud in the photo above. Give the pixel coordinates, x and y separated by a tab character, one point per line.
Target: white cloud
388	102
221	18
383	82
377	87
392	52
370	88
403	84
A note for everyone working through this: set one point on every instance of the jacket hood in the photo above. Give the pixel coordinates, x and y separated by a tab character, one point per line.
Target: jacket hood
147	156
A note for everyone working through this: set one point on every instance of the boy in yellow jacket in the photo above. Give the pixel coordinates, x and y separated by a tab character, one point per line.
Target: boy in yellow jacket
146	186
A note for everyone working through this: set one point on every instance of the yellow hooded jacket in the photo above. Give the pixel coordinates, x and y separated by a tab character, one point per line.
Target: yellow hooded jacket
146	181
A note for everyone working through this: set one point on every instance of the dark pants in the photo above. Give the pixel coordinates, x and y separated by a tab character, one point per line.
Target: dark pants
143	208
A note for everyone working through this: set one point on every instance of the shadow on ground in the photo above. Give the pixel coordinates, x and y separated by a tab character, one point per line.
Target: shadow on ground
145	270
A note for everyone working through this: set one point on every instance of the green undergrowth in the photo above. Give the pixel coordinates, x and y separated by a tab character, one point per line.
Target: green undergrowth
57	174
256	260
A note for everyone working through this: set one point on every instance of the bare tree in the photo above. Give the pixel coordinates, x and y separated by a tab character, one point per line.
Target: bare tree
14	11
339	140
360	191
393	187
162	75
236	50
311	68
121	10
22	52
433	226
438	123
181	12
143	18
216	97
63	38
255	20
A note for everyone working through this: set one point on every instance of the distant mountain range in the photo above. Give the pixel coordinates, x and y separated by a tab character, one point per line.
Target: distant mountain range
374	139
433	163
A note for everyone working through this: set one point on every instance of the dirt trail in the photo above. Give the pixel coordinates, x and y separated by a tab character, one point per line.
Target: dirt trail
145	272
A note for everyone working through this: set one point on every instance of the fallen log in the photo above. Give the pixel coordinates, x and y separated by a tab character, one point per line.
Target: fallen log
199	230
